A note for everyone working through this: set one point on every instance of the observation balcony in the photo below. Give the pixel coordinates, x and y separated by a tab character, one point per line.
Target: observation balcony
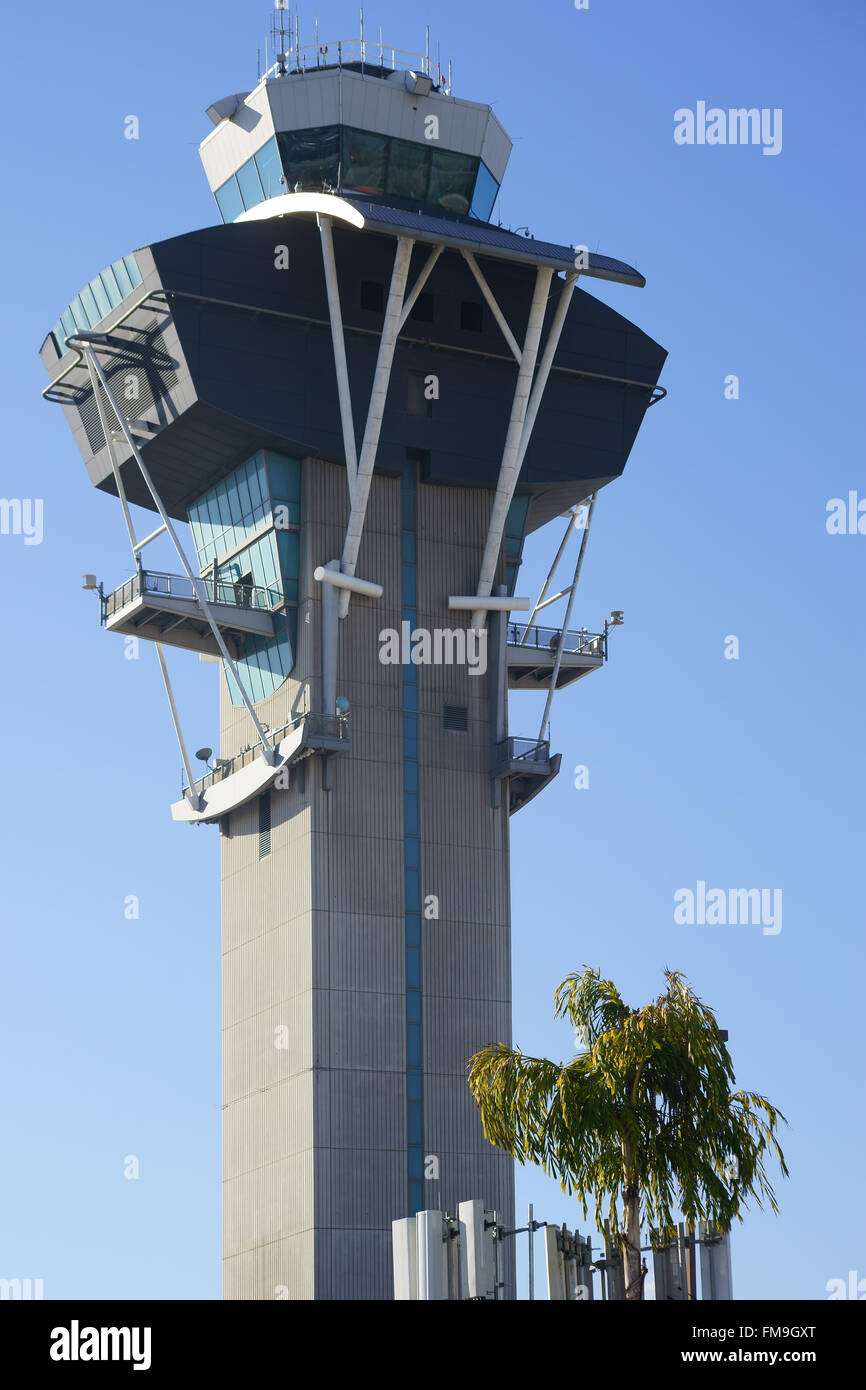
165	608
531	655
526	765
234	781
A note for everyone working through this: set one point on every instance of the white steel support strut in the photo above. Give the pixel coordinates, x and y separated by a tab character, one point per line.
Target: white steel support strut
492	304
198	588
193	797
554	675
378	395
345	396
523	416
510	465
542	601
420	283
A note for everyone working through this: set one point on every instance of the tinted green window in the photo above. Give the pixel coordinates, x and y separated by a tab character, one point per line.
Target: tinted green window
408	170
89	305
134	273
452	180
103	303
365	159
310	157
121	275
250	184
285	478
229	200
268	164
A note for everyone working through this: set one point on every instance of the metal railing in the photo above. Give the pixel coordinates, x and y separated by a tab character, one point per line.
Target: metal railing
330	726
548	638
307	57
528	750
223	592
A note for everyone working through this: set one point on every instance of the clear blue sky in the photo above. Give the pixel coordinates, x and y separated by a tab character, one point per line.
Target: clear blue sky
743	773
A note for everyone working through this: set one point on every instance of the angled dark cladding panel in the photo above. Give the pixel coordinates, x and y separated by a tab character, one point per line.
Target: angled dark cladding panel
256	365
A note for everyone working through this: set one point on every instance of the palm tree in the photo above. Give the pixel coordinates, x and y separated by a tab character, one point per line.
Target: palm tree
646	1114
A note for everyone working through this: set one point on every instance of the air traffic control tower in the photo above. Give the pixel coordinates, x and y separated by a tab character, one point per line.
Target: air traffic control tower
361	395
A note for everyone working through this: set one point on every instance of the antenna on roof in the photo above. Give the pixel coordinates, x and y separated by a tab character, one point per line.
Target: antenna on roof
281	5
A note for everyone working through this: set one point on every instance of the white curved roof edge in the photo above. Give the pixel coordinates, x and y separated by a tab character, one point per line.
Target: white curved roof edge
241	786
324	203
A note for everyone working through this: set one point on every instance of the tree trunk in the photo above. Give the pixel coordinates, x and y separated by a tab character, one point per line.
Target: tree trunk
631	1226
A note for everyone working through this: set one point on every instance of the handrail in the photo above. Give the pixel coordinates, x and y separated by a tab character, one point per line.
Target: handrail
345	51
326	725
530	750
223	592
548	638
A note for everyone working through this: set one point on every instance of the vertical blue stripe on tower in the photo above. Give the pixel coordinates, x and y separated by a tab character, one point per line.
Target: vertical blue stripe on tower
411	852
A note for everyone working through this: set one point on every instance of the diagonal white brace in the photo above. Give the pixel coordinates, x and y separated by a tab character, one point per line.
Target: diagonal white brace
554	675
509	467
492	304
193	797
343	390
198	588
523	417
378	395
420	283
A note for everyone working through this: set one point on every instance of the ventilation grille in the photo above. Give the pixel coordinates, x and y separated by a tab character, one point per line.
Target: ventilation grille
137	379
264	825
456	718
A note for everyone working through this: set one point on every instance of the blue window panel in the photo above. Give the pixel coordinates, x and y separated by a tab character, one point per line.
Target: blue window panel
134	273
410	820
229	200
410	738
246	502
68	323
413	968
413	1085
231	487
250	184
121	275
410	697
58	335
292	624
269	167
511	577
410	674
413	890
261	483
413	1045
76	309
513	547
416	1197
410	615
234	692
410	778
103	303
415	1128
413	853
290	558
89	305
484	197
285	478
270	562
109	284
413	1007
409	585
515	519
408	509
408	548
413	928
222	501
415	1155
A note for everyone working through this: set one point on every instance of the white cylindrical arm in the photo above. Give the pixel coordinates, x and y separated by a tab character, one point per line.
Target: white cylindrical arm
347	581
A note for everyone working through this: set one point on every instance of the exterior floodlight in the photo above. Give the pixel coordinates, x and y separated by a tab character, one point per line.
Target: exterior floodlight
89	581
204	753
617	617
418	84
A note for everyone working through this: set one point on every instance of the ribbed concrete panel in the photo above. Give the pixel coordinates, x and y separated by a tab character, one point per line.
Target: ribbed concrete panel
351	881
269	971
251	1057
357	1030
468	883
463	961
359	1188
451	1116
354	1264
376	1101
282	1270
254	903
455	1029
473	822
268	1126
363	953
268	1204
